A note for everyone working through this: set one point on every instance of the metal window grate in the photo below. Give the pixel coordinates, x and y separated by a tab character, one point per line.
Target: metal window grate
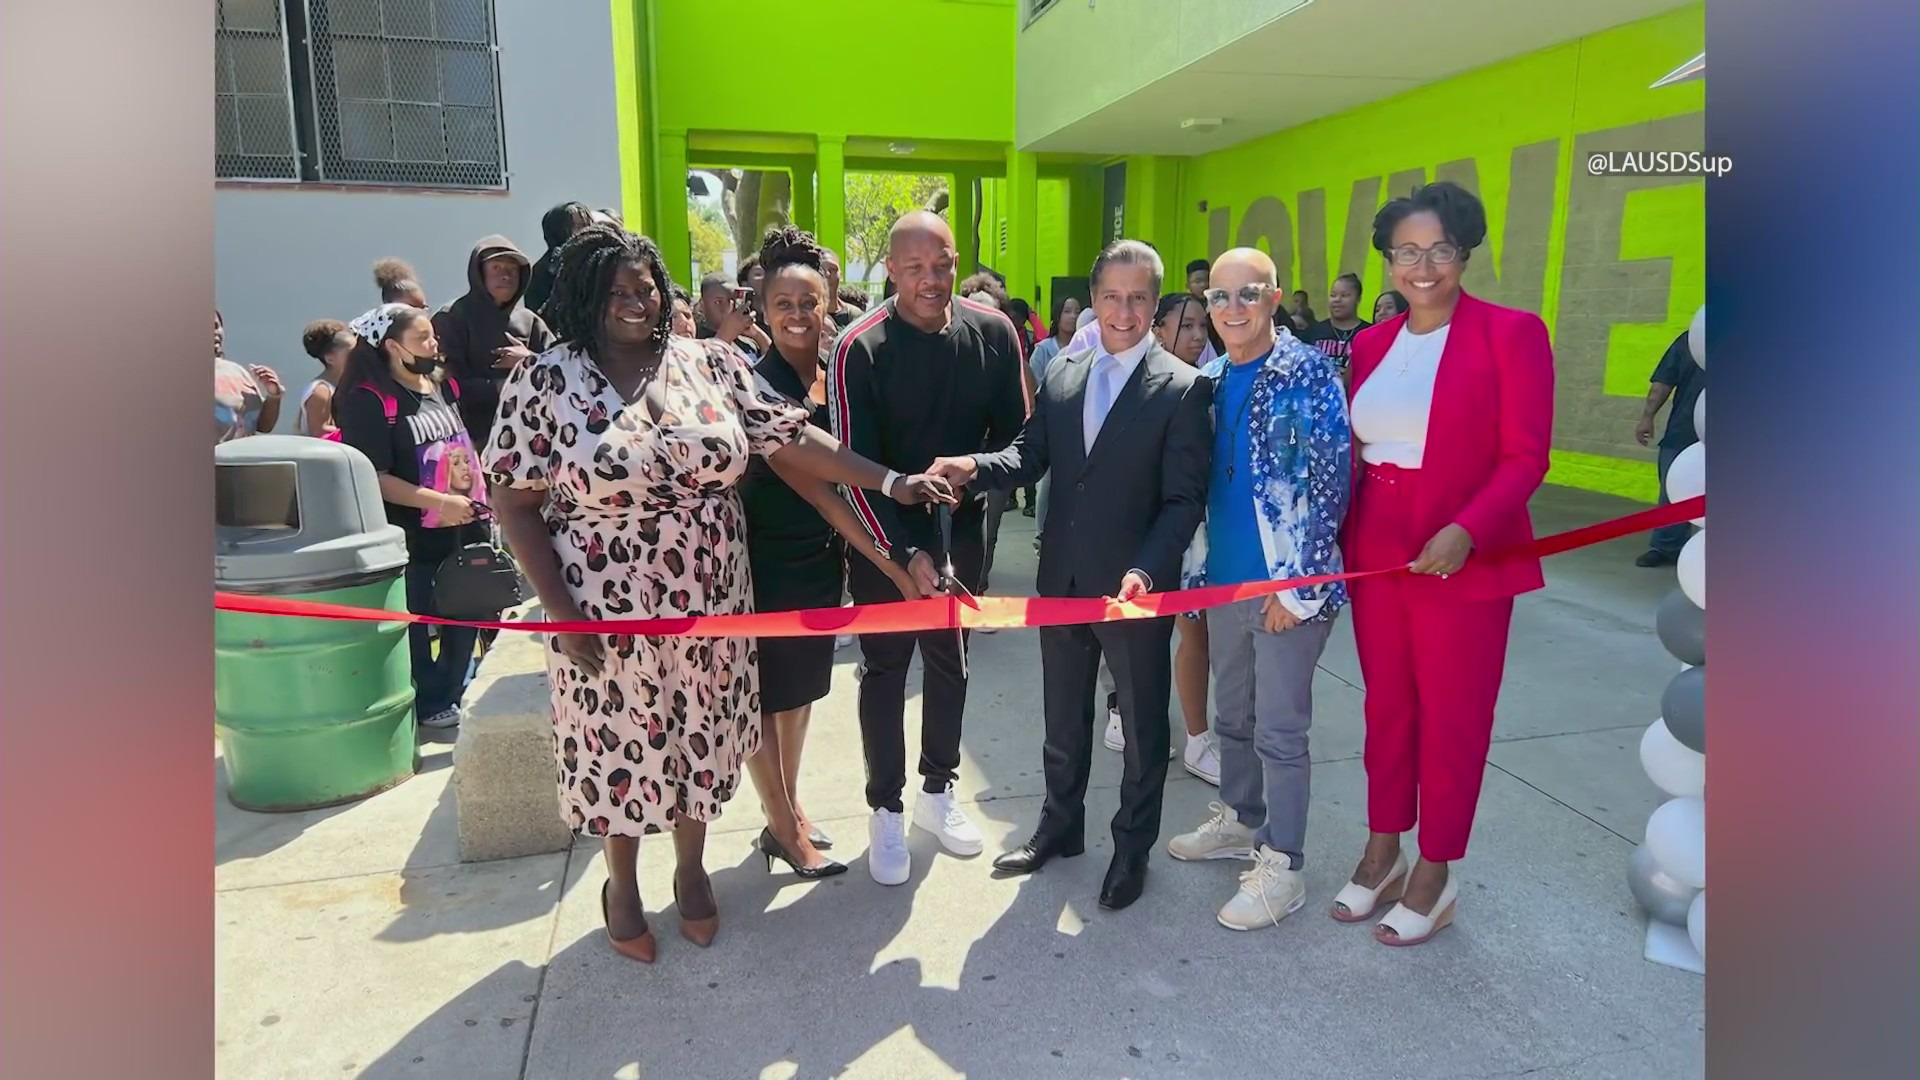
252	95
406	92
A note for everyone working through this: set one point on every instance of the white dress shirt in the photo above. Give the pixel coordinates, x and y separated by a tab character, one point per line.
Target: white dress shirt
1391	408
1114	369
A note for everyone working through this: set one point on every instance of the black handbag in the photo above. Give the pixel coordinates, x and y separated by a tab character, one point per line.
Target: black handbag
478	581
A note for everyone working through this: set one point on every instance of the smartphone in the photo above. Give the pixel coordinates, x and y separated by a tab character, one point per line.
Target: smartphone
742	297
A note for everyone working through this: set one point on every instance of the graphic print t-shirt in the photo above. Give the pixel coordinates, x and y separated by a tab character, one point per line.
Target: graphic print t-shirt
426	444
1332	341
237	400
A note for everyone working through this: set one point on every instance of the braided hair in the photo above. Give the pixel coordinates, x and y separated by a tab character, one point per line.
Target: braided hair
583	279
785	245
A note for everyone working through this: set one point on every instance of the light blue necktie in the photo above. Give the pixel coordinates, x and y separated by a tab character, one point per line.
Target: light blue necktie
1104	370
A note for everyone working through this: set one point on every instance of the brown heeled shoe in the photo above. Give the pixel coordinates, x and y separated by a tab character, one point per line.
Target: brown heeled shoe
698	931
634	948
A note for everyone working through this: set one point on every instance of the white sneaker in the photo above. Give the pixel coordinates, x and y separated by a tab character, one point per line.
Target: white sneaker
887	858
1202	757
1219	837
1116	736
939	813
1269	892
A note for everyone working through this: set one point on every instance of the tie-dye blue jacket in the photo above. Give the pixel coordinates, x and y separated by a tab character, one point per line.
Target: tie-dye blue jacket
1302	473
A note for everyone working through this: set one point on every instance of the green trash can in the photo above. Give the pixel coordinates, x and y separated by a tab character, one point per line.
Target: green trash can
309	712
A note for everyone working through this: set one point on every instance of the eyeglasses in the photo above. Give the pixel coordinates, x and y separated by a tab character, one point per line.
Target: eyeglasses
1247	295
1440	254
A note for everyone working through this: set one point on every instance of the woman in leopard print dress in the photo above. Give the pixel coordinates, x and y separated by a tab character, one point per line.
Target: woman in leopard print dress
614	460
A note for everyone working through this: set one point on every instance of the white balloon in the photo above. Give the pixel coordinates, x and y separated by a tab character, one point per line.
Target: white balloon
1672	766
1697	924
1693	569
1697	337
1687	476
1700	416
1677	836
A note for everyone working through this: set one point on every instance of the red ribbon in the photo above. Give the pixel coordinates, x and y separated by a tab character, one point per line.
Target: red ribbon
946	612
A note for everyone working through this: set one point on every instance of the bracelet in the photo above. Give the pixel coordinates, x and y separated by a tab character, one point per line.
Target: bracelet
886	486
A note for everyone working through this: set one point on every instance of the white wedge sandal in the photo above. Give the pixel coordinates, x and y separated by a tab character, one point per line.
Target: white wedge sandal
1412	928
1357	903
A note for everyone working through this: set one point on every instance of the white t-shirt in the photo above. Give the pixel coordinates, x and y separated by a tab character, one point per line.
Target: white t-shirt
1390	411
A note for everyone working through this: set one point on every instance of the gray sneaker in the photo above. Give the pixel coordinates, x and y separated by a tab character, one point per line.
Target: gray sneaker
448	717
1219	837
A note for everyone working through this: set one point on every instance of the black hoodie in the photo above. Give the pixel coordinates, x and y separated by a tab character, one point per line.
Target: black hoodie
473	326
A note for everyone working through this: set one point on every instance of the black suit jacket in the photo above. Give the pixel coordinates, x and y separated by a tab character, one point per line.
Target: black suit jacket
1134	501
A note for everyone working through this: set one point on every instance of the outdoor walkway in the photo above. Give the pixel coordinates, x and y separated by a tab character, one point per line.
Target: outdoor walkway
353	943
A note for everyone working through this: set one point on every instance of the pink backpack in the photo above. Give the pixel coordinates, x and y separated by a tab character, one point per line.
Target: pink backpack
391	405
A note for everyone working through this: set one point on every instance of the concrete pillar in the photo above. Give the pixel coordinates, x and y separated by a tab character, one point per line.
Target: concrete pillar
1023	211
830	208
963	217
670	230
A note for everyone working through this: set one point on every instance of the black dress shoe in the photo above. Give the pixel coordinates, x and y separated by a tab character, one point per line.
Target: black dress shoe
1035	853
1651	559
1125	879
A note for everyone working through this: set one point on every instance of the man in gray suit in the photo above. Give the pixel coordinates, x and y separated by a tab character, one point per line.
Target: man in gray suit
1125	431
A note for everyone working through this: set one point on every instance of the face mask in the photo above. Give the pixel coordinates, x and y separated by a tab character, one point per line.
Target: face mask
420	365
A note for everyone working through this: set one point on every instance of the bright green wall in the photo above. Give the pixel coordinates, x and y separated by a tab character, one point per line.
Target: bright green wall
629	46
1615	265
1051	252
912	69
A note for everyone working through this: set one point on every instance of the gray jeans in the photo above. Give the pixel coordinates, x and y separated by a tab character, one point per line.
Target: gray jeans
1263	688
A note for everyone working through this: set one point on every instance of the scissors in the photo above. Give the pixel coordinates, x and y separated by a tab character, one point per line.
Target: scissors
950	584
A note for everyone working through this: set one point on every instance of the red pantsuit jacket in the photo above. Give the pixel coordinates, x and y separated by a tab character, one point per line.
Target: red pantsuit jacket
1487	438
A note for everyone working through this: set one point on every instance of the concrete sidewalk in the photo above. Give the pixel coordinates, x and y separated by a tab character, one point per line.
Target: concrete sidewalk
352	942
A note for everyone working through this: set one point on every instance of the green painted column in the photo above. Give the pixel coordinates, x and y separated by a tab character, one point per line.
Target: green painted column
964	218
803	206
1085	192
670	230
1023	207
830	209
1153	197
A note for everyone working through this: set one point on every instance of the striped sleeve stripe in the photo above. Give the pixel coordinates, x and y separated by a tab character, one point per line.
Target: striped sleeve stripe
1026	396
838	411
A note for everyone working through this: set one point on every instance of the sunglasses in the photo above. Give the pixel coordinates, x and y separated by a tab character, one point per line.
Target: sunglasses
1247	295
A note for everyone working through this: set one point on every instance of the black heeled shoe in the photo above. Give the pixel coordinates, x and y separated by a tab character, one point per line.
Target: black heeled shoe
770	846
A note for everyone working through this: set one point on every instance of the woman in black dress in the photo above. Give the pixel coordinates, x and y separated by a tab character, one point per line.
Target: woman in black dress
797	559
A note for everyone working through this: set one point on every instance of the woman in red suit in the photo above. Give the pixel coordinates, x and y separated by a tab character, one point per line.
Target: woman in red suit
1452	409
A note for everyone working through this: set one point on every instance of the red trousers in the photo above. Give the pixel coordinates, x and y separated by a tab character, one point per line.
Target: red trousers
1432	668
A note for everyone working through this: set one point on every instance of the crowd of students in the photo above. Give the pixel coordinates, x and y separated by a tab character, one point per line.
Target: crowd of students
773	441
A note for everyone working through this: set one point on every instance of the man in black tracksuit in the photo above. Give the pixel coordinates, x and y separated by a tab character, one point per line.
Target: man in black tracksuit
922	375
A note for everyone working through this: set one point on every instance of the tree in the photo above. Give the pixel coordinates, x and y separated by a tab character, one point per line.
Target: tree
754	201
876	200
711	237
